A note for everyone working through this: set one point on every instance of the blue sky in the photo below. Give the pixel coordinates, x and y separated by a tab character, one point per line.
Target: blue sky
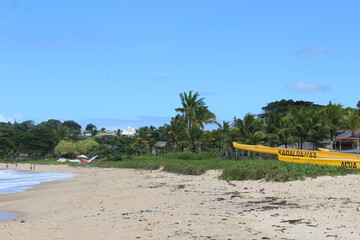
120	63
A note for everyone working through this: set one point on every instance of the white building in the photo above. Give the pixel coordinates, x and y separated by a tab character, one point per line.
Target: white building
128	132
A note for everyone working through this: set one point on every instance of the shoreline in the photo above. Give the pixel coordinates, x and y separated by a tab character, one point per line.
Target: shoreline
6	216
12	214
138	204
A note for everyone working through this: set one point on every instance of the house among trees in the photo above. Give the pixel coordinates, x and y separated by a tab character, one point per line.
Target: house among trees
128	132
287	123
107	133
85	133
345	140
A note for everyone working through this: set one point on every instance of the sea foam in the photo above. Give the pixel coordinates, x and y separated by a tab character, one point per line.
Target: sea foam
12	181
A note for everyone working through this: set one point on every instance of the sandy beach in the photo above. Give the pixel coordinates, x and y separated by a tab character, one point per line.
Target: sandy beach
137	204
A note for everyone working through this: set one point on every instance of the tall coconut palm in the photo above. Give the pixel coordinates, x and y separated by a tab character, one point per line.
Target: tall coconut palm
143	135
196	114
272	121
284	130
236	122
351	121
192	142
210	141
223	135
299	118
190	102
251	129
333	114
202	116
315	126
175	131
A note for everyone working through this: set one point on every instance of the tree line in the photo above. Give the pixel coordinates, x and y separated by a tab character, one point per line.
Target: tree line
281	123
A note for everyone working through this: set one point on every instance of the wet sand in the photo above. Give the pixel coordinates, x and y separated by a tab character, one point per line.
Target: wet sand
137	204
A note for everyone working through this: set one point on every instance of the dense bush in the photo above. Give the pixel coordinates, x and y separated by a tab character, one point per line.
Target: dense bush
280	171
180	155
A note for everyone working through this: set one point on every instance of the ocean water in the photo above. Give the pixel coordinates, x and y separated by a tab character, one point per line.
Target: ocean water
12	181
7	215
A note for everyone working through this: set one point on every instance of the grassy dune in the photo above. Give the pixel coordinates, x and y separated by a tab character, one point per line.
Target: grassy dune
196	164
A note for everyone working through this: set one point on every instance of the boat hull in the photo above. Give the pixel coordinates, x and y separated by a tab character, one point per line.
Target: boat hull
306	156
256	148
338	162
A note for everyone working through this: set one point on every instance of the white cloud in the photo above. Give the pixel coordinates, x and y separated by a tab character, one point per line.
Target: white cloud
11	119
303	87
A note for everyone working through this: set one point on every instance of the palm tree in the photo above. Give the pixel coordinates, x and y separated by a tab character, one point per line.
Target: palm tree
333	113
299	118
202	115
272	121
223	134
315	126
192	142
143	137
154	137
174	131
351	121
195	114
284	130
209	141
250	129
190	102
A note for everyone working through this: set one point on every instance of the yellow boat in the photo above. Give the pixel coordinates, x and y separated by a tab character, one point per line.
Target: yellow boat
256	148
306	156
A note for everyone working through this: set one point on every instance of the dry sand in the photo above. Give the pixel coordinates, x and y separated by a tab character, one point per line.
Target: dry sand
137	204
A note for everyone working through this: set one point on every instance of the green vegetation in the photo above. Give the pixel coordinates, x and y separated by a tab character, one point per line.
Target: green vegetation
197	164
185	156
184	146
186	167
272	170
68	148
182	163
281	123
269	170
